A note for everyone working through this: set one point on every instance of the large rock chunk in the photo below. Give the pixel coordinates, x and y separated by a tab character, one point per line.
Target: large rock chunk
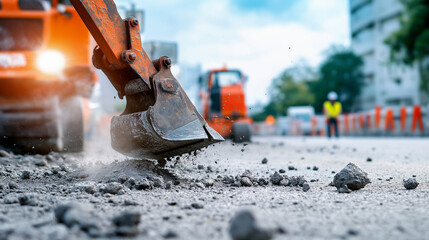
75	214
127	224
276	178
243	226
411	183
351	177
28	200
112	188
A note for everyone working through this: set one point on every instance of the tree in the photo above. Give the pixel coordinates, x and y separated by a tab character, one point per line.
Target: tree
290	89
290	92
409	44
341	72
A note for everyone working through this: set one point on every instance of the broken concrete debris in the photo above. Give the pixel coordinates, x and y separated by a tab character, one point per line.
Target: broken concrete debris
410	183
276	178
243	226
127	224
76	214
350	178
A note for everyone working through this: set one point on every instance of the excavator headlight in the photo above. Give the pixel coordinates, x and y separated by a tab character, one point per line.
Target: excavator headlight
51	62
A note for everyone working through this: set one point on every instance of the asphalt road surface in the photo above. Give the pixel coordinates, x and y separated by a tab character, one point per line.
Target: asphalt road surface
79	196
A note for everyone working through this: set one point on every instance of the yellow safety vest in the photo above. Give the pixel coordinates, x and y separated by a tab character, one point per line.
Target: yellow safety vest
332	110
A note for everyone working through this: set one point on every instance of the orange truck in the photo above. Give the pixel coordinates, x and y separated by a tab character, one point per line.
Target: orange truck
45	75
223	103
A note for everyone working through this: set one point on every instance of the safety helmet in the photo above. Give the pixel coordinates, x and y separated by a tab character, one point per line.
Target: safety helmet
332	96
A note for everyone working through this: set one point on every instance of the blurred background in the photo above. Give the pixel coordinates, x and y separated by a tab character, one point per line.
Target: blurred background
267	65
373	53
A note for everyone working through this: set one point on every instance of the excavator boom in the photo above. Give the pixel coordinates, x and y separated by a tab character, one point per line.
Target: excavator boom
159	120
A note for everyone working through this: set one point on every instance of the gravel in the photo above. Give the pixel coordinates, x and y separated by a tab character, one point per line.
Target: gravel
90	188
276	178
263	181
410	183
245	181
305	187
77	214
294	181
28	200
144	184
170	234
10	199
197	205
208	182
243	226
306	210
13	185
40	162
284	182
112	188
127	224
25	174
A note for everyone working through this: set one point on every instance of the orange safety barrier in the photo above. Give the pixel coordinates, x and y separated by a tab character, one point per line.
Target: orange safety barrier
403	117
361	122
389	121
368	121
377	117
353	118
417	119
346	123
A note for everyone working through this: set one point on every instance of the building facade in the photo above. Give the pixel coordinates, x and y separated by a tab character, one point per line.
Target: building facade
386	84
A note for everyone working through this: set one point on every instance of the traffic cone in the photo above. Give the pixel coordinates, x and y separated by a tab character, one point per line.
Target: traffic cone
377	117
389	121
403	116
417	119
368	122
361	122
346	123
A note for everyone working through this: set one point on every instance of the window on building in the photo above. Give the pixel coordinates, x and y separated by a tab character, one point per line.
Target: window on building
398	81
399	101
389	25
363	12
364	35
369	79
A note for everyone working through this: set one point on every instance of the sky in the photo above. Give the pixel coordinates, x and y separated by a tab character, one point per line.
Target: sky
259	37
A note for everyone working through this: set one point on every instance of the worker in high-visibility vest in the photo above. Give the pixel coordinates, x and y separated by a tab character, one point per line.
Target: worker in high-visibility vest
332	109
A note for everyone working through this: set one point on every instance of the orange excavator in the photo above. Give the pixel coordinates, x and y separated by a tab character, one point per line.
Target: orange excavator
45	74
159	120
224	104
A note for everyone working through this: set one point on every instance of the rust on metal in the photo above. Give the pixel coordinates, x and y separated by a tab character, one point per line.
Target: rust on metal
159	120
114	35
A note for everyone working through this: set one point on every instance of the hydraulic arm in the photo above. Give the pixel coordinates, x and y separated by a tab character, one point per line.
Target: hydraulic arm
159	120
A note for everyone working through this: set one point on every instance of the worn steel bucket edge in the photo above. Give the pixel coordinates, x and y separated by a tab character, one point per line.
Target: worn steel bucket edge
134	135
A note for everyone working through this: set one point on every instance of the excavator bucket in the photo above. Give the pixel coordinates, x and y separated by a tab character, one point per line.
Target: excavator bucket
159	120
171	126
